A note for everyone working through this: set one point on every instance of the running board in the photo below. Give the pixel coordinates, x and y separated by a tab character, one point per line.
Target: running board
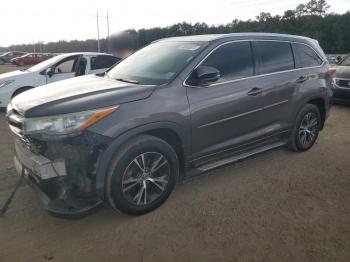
236	158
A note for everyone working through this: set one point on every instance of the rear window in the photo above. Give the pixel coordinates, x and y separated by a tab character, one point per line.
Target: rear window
305	56
103	61
273	56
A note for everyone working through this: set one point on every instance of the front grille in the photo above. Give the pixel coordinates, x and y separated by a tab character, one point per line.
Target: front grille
343	82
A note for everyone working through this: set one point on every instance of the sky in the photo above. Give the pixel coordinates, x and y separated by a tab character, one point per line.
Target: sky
28	21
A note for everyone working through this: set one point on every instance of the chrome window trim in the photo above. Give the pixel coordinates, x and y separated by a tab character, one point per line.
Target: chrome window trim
253	76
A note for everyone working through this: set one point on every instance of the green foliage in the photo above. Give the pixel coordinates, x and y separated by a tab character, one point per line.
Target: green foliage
311	19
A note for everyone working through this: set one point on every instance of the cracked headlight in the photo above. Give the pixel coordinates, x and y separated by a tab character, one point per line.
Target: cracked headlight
65	124
5	83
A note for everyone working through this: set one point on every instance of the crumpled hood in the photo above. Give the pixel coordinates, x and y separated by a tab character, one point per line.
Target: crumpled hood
77	94
342	72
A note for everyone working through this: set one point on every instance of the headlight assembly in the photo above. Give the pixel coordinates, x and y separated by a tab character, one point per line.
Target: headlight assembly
5	83
65	124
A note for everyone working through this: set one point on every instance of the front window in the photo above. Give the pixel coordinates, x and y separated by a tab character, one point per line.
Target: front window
233	60
47	63
345	62
156	64
66	66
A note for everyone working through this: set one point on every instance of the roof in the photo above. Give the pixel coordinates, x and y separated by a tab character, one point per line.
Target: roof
84	53
214	37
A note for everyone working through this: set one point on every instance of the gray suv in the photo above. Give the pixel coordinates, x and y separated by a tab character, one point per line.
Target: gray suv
176	108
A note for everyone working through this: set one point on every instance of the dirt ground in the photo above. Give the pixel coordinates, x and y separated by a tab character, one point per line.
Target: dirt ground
277	206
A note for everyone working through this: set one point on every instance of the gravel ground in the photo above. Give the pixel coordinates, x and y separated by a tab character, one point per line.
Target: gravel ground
277	206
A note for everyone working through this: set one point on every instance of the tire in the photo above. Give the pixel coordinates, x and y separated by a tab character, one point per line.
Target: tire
20	90
2	62
130	175
21	63
306	129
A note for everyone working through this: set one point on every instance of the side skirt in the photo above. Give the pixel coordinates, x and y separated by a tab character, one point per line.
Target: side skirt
233	158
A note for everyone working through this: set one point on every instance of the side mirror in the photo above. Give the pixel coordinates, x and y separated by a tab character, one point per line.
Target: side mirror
204	75
49	72
338	60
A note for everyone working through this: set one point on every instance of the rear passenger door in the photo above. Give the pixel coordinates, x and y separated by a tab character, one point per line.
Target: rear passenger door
275	74
226	114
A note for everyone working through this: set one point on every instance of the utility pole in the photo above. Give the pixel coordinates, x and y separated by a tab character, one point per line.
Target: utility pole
98	35
107	32
98	29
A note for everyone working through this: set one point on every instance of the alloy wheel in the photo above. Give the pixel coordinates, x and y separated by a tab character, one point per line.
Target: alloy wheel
308	129
145	178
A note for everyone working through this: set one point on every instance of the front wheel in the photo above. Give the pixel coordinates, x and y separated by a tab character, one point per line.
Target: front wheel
306	129
142	175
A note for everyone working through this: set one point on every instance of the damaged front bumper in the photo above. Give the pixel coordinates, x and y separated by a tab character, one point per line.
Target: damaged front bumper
62	173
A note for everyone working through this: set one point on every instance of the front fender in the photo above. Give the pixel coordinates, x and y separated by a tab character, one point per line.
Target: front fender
105	159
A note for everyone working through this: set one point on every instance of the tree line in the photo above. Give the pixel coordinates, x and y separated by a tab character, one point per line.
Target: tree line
311	19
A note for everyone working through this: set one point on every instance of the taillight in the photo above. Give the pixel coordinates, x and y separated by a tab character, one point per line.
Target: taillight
331	72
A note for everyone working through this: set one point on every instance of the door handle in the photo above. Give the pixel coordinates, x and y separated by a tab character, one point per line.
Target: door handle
254	91
302	79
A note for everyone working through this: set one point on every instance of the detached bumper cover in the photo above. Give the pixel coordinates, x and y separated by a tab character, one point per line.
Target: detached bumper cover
46	177
41	166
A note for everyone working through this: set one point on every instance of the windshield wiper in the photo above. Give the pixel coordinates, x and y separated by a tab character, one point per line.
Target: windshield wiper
128	80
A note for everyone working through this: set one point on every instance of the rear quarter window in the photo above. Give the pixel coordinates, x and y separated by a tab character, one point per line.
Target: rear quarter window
273	56
103	61
305	56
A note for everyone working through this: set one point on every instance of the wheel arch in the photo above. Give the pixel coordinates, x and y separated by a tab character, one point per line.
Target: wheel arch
318	101
17	91
170	132
321	105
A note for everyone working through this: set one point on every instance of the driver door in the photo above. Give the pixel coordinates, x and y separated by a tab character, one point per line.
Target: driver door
226	113
66	68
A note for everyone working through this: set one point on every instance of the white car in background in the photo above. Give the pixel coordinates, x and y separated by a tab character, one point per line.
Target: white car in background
54	69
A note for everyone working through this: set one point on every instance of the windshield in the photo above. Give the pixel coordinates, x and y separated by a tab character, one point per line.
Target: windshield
157	63
346	61
43	65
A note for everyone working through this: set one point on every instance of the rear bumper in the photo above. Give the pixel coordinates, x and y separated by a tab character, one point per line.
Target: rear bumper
47	178
341	95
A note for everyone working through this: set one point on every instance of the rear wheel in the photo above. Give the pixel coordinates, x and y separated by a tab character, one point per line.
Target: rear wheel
142	175
2	62
306	129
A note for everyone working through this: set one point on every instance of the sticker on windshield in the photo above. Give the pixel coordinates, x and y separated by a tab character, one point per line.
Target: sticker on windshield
189	47
169	75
